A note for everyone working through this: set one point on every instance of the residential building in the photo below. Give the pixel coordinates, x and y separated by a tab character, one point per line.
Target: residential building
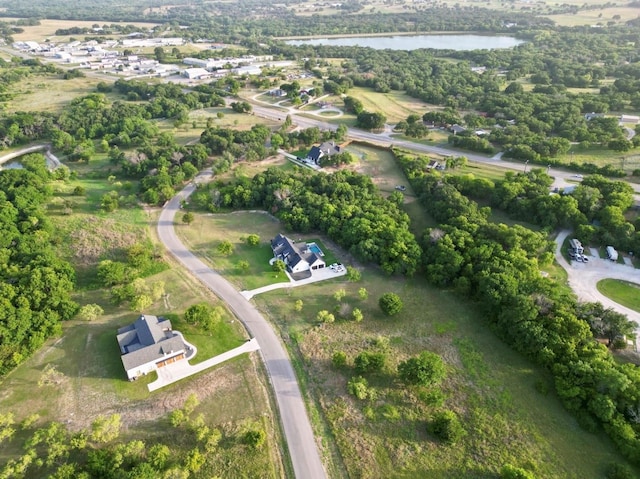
298	257
148	344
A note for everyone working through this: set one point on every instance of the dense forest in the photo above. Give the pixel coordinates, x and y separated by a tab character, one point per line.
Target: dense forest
36	285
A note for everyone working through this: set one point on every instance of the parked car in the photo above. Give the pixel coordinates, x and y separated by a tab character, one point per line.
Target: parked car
585	259
401	187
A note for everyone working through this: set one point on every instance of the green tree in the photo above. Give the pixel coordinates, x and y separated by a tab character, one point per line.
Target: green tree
90	312
446	426
253	239
194	460
423	370
279	266
188	218
325	316
105	428
225	247
339	359
353	274
390	303
357	315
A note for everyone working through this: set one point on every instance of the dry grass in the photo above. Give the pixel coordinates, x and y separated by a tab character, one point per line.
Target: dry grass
395	105
49	93
595	17
47	29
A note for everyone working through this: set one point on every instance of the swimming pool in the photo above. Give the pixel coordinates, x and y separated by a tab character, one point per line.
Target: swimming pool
314	248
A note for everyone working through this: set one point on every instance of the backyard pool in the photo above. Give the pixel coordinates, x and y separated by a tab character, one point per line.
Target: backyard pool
314	248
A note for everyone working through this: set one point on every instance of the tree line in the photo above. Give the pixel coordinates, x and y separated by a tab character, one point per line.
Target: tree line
35	283
498	268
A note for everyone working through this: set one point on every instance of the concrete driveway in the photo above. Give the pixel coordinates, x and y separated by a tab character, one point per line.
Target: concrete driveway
583	278
173	372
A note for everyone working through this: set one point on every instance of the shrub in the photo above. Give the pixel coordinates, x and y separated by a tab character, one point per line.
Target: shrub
353	274
253	240
255	438
90	312
511	472
423	370
369	362
358	387
225	247
619	471
390	303
339	359
446	426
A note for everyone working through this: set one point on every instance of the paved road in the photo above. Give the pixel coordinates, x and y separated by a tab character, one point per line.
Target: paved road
293	414
583	278
275	113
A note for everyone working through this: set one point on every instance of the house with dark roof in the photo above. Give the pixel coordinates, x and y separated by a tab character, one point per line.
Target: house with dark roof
298	257
149	344
328	148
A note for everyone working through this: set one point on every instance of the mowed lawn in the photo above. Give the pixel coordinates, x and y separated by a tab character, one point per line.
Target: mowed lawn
622	292
507	405
204	235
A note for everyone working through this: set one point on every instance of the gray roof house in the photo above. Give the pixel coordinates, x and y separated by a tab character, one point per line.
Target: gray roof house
298	258
328	148
149	344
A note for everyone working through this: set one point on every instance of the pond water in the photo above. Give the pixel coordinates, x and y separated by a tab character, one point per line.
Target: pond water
413	42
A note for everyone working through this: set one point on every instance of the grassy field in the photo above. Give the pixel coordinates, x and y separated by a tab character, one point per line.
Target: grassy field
207	231
395	105
47	29
380	165
498	393
598	16
48	93
623	292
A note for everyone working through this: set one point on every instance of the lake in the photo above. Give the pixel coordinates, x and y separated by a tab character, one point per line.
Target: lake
413	42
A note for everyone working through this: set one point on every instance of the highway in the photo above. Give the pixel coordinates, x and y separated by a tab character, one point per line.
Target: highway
296	425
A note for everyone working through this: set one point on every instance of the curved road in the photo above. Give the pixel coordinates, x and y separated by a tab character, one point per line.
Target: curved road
293	414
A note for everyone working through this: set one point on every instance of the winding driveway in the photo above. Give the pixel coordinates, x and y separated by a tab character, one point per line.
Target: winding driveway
583	278
301	442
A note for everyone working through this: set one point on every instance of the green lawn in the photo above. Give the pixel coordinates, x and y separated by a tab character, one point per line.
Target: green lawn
623	292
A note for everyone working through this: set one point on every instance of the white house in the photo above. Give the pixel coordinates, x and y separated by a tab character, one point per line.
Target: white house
149	344
298	258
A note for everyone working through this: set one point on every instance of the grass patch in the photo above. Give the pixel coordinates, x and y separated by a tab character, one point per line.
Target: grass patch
395	105
622	292
207	231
